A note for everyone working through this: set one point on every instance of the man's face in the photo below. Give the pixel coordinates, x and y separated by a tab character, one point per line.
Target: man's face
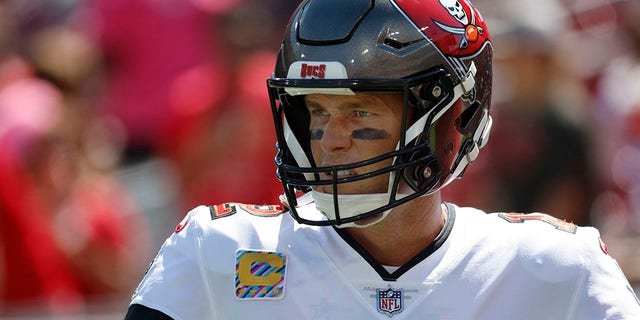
346	129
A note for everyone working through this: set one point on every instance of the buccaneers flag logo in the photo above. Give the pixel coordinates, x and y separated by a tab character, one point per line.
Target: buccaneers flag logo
455	26
469	29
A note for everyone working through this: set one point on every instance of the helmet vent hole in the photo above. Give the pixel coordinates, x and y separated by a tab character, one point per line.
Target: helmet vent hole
399	45
469	118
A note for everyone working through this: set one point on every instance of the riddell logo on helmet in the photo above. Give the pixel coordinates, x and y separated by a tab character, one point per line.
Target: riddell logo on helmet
313	71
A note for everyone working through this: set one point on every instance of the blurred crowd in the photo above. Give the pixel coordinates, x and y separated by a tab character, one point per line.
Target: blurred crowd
118	116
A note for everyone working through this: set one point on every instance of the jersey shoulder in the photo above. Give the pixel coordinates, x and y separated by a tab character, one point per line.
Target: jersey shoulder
206	217
540	250
538	245
231	226
535	235
525	226
204	244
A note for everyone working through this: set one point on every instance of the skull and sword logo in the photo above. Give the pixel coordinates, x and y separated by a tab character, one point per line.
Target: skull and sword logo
470	31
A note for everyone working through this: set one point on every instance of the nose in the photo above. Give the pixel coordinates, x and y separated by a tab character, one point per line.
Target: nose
337	135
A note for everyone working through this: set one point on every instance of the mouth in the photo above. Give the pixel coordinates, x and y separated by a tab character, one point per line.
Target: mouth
339	174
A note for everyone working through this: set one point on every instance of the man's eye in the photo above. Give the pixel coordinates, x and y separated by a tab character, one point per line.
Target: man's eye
362	114
319	113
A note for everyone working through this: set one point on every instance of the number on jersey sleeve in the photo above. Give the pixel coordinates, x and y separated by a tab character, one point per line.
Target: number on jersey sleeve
522	217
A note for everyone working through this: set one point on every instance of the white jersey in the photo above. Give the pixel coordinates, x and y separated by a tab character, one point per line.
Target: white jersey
237	261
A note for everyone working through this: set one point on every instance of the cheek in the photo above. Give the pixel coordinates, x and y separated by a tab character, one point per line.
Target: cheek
386	140
394	138
389	145
316	149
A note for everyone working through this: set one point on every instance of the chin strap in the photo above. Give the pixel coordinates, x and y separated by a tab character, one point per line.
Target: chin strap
351	205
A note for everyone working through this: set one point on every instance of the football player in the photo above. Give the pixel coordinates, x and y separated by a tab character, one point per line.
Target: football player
377	106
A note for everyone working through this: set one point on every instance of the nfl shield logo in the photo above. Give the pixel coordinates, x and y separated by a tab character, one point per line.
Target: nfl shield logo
390	301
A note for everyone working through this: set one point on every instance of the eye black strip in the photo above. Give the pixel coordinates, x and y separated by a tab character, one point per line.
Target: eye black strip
316	134
362	134
369	134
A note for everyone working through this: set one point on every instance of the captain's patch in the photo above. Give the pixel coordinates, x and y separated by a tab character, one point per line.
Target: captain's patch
260	274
